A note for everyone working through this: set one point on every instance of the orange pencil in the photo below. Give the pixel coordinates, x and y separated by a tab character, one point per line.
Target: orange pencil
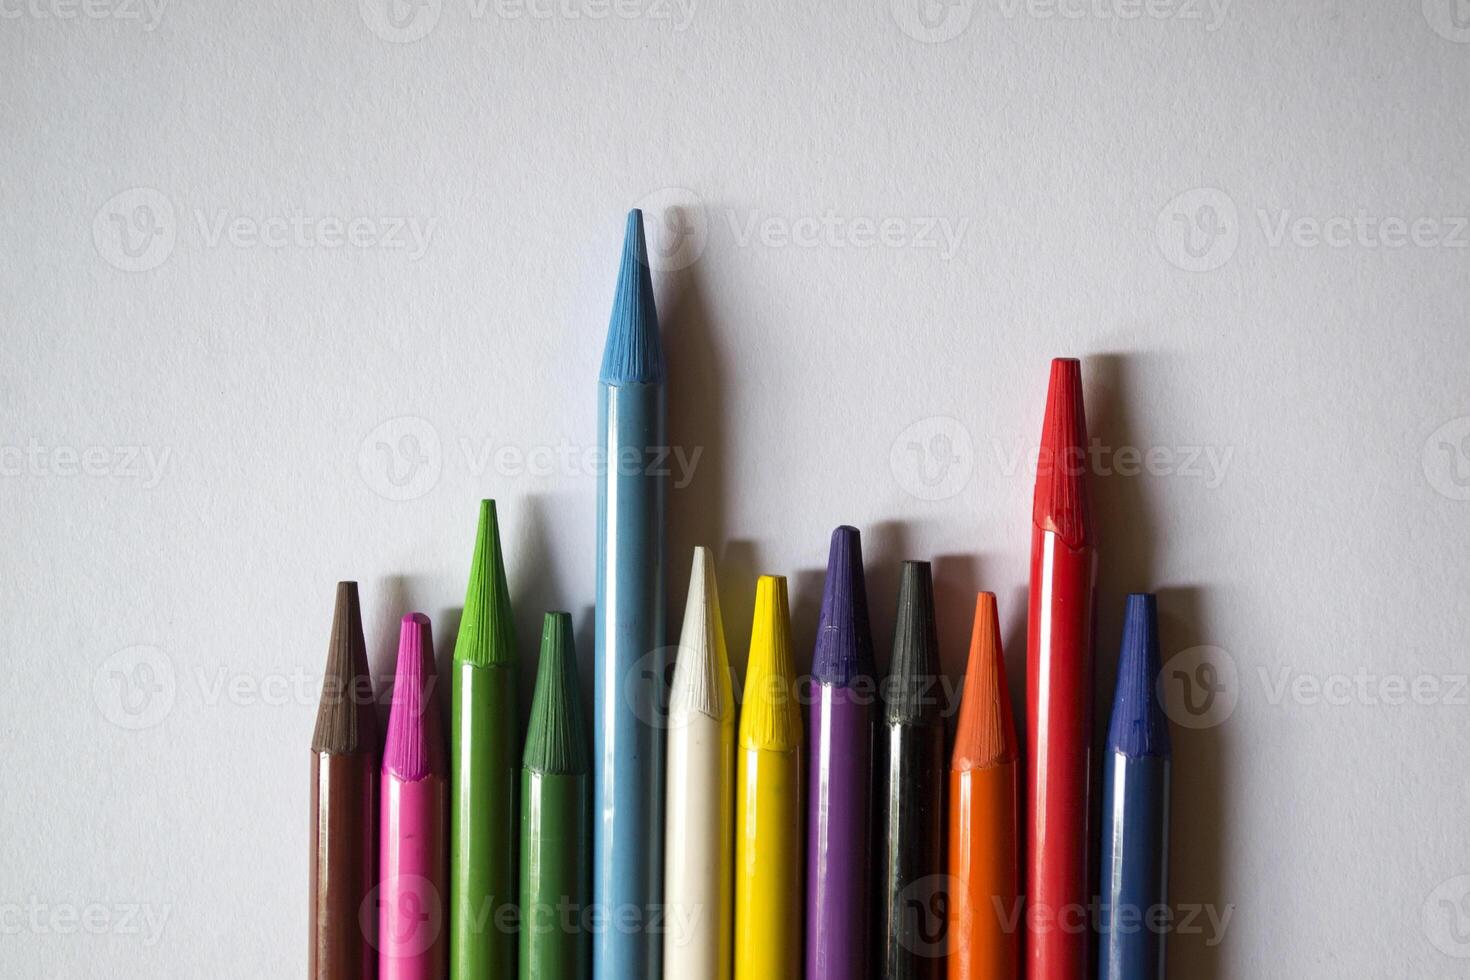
984	817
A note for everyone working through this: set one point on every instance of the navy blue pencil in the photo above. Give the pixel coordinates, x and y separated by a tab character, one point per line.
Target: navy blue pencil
1135	819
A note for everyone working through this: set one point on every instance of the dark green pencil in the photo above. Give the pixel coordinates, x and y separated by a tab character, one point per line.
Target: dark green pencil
556	834
485	764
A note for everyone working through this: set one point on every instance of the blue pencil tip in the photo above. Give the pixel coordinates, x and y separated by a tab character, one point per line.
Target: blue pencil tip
844	639
633	354
1138	726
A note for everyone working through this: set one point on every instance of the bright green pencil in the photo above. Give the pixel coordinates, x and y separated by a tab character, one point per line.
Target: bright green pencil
484	771
556	832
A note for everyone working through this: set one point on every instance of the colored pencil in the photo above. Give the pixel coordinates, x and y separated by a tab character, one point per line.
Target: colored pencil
344	804
839	834
912	773
1059	689
700	816
769	818
412	940
484	770
556	831
984	815
628	756
1135	820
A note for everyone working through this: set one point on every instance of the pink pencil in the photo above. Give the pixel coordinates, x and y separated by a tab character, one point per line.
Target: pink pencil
414	858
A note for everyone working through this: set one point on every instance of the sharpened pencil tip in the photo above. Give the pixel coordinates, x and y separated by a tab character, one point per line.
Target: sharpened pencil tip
346	718
487	629
770	717
1138	726
556	736
415	744
1061	502
634	352
702	681
912	691
986	735
844	649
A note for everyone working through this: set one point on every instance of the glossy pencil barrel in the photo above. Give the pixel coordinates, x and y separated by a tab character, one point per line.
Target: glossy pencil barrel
1058	745
1059	690
986	917
839	843
700	832
769	832
1135	847
628	757
412	938
555	845
910	904
484	815
344	865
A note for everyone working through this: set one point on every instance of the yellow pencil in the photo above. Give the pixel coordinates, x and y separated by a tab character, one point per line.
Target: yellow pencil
769	819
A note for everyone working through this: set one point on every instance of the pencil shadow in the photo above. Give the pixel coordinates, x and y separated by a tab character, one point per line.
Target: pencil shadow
957	579
885	549
389	602
738	567
1128	545
1198	863
804	593
697	468
534	583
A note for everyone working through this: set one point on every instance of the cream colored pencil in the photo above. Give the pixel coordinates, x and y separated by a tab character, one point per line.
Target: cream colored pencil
699	820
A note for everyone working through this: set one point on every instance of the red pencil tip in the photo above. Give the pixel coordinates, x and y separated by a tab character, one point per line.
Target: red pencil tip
1061	503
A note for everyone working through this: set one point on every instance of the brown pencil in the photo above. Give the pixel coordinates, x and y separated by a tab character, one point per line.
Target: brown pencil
344	805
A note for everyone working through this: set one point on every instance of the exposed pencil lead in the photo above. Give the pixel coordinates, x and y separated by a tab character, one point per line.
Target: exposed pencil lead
346	718
844	639
1138	726
986	735
556	737
415	744
1061	501
702	679
912	689
486	630
634	353
770	717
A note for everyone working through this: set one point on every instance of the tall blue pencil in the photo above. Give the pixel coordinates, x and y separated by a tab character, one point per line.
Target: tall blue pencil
628	764
1135	822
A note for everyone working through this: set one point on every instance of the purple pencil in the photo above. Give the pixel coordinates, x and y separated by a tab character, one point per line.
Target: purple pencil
839	835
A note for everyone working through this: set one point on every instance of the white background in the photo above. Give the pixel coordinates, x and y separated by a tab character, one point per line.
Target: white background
194	395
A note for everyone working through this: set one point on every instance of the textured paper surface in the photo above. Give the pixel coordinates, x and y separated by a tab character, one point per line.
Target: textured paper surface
286	289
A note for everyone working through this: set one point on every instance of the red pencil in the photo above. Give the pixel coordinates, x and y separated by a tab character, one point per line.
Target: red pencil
1059	689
